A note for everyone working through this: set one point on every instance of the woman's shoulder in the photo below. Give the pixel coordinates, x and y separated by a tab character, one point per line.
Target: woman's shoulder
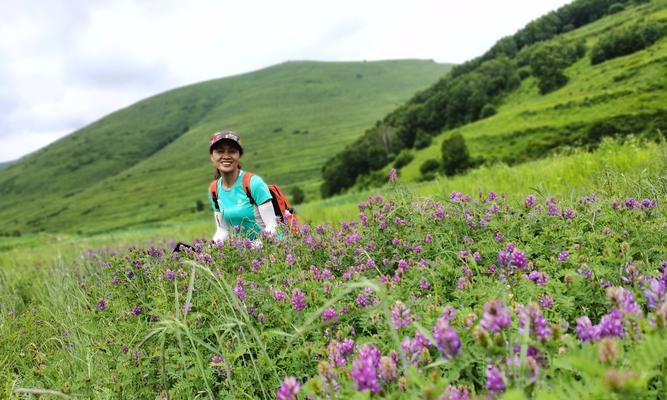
254	178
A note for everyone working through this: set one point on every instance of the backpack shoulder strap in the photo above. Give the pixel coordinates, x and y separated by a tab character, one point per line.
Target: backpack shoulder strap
213	189
246	186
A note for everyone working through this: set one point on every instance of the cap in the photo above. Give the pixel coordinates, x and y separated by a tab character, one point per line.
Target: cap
225	135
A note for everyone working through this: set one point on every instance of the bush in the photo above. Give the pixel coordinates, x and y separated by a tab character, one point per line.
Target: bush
524	72
422	140
455	156
615	8
298	196
549	60
430	165
626	41
403	159
487	111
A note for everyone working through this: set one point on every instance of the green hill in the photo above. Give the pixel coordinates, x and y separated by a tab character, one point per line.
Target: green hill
541	90
620	96
149	161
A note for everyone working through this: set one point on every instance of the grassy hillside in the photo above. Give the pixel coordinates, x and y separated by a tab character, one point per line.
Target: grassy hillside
515	104
149	161
629	91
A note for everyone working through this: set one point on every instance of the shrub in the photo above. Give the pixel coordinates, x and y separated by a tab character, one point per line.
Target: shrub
430	165
549	60
487	111
455	157
626	41
298	195
403	159
616	8
422	140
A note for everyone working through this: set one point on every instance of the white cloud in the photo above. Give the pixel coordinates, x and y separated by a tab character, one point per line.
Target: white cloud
65	64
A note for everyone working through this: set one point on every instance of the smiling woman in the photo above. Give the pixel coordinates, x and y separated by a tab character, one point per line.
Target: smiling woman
241	201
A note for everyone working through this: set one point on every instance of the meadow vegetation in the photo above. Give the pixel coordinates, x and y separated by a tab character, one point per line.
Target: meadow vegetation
550	286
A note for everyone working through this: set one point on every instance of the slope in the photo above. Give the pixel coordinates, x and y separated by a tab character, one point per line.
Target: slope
149	161
623	95
537	61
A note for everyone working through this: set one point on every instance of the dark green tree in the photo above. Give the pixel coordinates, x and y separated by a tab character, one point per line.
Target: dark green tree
298	195
455	156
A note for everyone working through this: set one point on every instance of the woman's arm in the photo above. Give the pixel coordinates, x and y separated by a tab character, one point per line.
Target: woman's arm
222	228
268	216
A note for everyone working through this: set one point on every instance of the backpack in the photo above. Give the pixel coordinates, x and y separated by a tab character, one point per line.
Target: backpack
281	206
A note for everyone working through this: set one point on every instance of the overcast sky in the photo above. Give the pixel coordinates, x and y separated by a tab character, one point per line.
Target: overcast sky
65	64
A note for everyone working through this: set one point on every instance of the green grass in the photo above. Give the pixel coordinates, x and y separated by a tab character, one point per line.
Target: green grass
565	175
628	164
149	161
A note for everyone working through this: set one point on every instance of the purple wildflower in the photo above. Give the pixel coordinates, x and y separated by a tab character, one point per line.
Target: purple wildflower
387	370
400	315
289	389
170	275
540	278
393	175
531	315
364	369
530	201
216	361
423	284
648	203
446	338
496	316
586	331
519	258
413	348
449	313
623	300
101	305
454	393
654	292
239	289
339	351
329	313
279	295
546	301
563	256
298	300
494	379
136	310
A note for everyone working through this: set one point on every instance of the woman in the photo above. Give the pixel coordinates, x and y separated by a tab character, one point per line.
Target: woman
235	212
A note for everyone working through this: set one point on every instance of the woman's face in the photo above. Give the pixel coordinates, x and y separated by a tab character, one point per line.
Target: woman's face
225	156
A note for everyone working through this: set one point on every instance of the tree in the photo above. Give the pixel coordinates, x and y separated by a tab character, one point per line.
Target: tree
298	196
455	156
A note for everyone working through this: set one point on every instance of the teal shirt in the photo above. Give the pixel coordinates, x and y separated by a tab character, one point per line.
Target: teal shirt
236	206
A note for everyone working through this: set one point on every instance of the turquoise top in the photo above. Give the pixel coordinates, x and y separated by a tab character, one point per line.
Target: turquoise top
236	207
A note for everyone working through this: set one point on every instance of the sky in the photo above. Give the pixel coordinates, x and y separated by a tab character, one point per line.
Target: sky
65	64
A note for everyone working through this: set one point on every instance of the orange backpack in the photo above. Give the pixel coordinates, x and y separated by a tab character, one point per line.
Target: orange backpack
281	206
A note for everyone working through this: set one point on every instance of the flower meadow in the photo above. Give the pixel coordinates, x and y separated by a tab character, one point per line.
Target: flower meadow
468	296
